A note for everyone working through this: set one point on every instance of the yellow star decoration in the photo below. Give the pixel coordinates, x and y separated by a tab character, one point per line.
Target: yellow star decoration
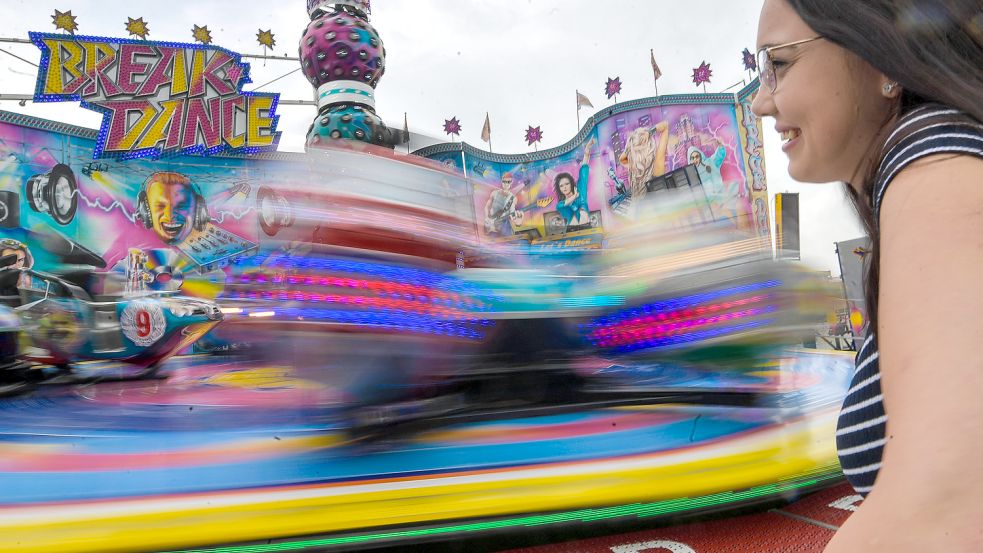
65	21
265	38
202	34
137	27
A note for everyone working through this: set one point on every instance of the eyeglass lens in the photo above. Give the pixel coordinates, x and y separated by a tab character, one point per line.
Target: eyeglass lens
766	71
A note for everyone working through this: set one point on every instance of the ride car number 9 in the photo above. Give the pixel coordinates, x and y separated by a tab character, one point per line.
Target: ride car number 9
143	322
144	325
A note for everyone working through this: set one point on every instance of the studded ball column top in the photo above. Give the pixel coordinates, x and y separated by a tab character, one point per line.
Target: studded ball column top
362	8
342	55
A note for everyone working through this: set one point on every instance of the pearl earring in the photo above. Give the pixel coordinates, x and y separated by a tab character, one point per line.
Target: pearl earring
888	87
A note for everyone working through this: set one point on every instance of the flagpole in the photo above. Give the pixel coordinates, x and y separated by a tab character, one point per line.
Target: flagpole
655	79
406	131
577	99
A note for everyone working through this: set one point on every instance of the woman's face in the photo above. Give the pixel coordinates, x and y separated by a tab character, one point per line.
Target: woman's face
21	257
829	104
566	187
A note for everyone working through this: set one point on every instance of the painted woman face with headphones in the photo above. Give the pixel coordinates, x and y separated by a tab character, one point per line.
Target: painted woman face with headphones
171	205
24	259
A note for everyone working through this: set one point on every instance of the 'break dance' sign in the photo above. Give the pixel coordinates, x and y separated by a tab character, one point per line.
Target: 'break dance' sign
158	97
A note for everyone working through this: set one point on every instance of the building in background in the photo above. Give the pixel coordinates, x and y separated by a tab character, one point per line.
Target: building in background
787	245
853	255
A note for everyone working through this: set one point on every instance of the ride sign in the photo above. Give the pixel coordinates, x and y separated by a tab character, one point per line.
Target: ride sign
158	97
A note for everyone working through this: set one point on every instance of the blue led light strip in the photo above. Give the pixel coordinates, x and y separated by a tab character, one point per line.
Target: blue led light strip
692	336
386	272
680	303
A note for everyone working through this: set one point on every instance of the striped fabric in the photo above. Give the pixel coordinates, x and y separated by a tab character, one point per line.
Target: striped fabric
860	433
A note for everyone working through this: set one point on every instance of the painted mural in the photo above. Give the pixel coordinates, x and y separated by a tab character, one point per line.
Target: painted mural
178	223
693	159
183	222
157	223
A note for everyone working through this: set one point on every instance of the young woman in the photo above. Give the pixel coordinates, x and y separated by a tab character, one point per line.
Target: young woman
725	200
887	96
22	259
571	197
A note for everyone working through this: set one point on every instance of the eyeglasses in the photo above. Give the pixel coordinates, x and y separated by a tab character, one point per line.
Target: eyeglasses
766	69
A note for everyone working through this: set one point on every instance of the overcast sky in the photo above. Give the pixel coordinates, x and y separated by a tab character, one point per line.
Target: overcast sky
519	60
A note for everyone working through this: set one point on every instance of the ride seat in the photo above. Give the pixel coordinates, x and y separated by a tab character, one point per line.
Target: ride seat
528	341
84	279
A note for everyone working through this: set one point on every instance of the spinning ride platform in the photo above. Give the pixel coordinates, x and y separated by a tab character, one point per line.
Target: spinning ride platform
225	453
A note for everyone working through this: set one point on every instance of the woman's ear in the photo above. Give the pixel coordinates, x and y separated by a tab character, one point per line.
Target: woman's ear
889	89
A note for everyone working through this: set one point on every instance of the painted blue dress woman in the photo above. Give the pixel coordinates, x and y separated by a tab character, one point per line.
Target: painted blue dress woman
724	203
572	198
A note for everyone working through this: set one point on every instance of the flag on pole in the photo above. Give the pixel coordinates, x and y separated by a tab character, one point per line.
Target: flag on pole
656	72
486	130
583	101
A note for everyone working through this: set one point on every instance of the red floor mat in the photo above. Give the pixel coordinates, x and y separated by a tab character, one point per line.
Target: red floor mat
802	527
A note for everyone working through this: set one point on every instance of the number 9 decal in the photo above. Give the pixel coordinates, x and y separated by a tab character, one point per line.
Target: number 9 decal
143	323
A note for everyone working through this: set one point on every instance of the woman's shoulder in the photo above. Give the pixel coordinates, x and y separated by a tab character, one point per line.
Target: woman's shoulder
924	137
929	129
951	173
939	196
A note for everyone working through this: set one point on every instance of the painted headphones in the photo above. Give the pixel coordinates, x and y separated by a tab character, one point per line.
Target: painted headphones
200	218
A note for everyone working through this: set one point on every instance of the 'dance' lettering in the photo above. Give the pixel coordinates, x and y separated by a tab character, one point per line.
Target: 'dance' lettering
236	121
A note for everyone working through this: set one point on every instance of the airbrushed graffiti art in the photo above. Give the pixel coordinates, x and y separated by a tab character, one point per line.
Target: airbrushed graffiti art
183	218
695	159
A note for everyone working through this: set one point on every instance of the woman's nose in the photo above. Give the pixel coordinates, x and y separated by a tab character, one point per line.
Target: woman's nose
763	103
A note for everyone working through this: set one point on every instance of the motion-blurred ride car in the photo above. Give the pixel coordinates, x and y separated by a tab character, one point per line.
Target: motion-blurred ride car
68	317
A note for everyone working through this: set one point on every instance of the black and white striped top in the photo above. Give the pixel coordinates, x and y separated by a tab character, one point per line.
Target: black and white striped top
860	433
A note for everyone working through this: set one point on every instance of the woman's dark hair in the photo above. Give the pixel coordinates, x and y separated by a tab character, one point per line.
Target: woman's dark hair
932	48
556	185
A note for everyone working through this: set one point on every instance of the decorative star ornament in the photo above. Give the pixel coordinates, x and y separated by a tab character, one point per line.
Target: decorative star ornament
702	74
202	34
533	135
452	126
65	21
613	87
137	27
750	63
265	38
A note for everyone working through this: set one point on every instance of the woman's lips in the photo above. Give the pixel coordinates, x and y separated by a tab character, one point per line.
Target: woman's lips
790	137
